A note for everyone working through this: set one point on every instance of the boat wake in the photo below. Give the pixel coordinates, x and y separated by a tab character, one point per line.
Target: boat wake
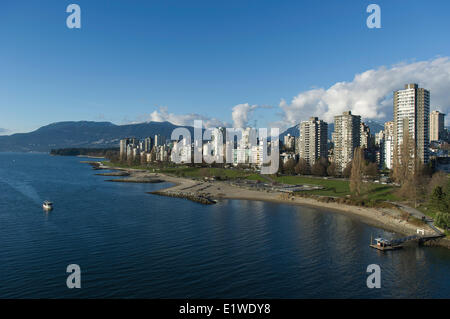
20	184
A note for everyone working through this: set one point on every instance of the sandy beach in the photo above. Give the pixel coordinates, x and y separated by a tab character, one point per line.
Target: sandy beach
386	218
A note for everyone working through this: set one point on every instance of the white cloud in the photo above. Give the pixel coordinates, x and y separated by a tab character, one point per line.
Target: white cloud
241	114
163	115
369	94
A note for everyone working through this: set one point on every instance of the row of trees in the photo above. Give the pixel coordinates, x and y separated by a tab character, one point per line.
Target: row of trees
324	168
418	183
440	202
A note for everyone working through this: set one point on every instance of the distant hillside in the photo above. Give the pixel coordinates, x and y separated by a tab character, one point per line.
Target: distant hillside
97	152
87	134
294	131
82	134
374	126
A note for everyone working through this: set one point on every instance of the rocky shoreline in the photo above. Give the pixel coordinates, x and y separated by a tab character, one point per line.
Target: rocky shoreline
390	218
192	197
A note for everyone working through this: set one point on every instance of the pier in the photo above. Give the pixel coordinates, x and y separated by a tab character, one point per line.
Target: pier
386	244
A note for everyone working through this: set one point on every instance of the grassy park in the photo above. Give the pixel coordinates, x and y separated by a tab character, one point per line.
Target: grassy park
332	186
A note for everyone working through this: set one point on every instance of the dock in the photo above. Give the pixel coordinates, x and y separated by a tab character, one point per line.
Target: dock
386	244
384	248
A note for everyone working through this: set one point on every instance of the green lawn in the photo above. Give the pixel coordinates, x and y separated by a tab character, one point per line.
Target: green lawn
339	188
197	172
187	171
332	187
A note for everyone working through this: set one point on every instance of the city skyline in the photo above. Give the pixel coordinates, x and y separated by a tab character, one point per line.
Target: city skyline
169	68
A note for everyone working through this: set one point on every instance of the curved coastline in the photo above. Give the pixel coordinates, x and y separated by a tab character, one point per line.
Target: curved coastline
204	192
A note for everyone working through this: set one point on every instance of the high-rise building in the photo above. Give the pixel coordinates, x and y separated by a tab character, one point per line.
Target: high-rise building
126	145
346	137
242	153
379	148
159	140
412	113
289	142
313	140
436	125
148	145
389	144
123	148
365	137
379	138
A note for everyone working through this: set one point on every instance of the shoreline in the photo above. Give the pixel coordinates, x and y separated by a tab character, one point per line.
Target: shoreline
209	192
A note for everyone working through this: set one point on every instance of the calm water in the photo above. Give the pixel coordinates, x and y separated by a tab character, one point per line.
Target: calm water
131	244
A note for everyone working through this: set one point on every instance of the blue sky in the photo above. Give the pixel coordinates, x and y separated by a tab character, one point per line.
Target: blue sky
203	57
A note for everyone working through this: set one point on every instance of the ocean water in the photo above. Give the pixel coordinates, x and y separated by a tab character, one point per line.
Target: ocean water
130	244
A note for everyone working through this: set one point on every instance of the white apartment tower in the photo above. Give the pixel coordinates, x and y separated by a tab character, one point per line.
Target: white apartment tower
313	140
389	144
346	137
412	113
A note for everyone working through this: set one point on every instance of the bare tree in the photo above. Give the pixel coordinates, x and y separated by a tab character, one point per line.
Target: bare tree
143	158
302	167
347	170
289	166
438	179
357	172
371	170
320	167
331	169
404	158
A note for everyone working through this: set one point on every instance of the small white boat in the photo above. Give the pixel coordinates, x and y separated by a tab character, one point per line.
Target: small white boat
47	205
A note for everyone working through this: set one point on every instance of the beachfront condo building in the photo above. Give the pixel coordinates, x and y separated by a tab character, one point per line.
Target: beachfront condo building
412	114
148	145
436	125
313	140
388	144
365	137
346	137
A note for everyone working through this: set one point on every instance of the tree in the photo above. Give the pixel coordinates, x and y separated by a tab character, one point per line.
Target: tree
371	170
357	172
143	158
320	167
130	160
403	158
347	170
331	170
443	220
415	183
302	167
438	199
438	179
289	167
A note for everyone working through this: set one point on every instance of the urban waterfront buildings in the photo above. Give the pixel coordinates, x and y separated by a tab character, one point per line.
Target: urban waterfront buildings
389	144
313	140
289	142
436	125
346	137
412	114
365	137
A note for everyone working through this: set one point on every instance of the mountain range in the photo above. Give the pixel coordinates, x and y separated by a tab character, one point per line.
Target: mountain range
83	134
88	134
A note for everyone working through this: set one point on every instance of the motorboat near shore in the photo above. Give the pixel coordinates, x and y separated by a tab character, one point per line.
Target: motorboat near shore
47	205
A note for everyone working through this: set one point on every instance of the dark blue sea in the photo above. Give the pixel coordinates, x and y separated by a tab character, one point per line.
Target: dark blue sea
130	244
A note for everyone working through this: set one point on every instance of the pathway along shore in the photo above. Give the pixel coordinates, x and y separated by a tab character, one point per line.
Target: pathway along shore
210	192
